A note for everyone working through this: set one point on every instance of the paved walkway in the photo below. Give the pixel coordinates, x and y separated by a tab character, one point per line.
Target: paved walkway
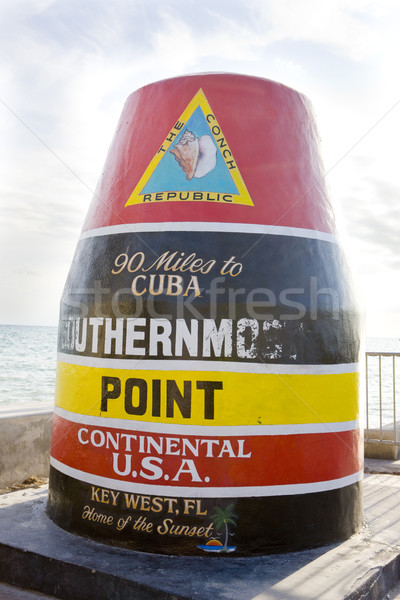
375	465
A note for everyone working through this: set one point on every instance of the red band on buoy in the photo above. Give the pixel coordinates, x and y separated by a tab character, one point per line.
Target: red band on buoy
270	135
207	461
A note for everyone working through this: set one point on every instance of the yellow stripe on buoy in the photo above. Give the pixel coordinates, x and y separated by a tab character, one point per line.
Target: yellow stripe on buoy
207	397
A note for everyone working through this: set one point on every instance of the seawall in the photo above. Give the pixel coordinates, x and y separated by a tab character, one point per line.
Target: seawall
25	444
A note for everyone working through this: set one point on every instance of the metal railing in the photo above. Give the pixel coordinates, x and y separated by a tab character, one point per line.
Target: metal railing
381	415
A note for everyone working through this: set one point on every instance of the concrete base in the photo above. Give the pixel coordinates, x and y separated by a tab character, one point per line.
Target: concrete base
36	554
8	592
25	446
381	445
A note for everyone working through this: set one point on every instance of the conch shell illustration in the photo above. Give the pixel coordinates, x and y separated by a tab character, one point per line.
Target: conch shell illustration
196	156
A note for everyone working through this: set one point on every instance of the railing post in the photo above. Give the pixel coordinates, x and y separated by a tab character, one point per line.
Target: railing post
379	439
394	399
380	396
366	392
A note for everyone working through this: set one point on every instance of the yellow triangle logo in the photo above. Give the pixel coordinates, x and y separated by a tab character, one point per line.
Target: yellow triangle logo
193	163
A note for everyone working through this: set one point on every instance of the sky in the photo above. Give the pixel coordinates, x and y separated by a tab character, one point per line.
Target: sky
67	67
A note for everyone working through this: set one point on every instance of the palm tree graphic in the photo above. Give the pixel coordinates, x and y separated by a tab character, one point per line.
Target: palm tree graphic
222	517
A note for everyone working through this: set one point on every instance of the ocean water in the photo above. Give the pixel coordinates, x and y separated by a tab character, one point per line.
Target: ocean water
28	357
381	410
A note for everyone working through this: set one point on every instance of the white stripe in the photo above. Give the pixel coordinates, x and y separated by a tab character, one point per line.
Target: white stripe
142	364
206	430
203	492
205	226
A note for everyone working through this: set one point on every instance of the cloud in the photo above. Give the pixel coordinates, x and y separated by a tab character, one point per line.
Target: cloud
340	25
67	67
373	219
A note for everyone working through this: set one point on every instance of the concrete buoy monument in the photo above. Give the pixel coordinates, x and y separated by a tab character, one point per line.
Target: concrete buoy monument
207	386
